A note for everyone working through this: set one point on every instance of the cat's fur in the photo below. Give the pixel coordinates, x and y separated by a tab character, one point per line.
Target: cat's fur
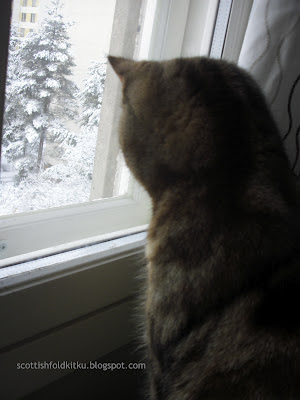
223	287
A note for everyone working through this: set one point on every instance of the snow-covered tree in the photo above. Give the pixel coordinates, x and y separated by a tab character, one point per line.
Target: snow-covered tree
12	72
75	173
46	94
13	104
90	97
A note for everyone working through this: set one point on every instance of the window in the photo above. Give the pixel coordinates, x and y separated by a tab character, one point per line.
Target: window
24	3
66	163
34	3
23	17
72	183
22	34
33	18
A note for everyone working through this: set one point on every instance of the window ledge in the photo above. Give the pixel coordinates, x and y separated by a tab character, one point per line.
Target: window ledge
23	274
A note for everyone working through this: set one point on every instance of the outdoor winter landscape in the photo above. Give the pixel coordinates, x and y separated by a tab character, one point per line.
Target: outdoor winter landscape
50	122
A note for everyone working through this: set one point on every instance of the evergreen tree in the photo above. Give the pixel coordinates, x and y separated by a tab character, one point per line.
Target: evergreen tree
90	97
13	139
46	94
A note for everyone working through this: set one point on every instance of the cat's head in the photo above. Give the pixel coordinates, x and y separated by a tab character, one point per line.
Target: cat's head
182	117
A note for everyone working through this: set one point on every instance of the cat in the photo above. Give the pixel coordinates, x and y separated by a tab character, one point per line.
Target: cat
223	260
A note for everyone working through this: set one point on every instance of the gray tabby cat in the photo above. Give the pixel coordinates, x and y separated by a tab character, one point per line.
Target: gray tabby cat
223	285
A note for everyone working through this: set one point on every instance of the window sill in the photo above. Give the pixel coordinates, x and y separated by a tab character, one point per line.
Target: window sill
66	257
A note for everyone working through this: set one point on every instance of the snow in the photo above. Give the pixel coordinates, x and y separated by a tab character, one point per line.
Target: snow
44	54
52	83
31	135
62	46
31	106
52	67
60	57
40	122
44	93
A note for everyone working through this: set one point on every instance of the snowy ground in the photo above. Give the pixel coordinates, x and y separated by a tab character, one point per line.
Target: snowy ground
7	177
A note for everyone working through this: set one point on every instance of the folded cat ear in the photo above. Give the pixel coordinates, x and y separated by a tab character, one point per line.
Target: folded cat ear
121	66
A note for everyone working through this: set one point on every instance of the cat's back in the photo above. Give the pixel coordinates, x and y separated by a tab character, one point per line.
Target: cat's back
223	243
224	256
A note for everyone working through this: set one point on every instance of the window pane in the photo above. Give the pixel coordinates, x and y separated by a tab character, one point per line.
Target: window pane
55	84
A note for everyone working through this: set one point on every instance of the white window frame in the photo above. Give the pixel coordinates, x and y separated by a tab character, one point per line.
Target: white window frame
20	236
236	29
76	305
70	227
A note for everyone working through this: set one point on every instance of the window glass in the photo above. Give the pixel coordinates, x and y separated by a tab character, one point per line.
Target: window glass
55	84
60	153
21	34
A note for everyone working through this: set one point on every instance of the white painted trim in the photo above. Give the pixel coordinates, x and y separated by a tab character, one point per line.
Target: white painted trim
231	25
24	274
223	15
148	24
236	30
176	25
13	262
182	28
199	28
160	29
209	27
24	233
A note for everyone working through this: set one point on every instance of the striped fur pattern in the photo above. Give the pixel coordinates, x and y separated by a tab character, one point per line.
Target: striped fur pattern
223	280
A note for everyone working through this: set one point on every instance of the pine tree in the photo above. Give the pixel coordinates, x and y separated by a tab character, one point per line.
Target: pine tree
14	142
46	94
90	97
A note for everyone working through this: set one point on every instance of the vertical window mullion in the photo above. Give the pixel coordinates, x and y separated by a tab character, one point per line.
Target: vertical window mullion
123	39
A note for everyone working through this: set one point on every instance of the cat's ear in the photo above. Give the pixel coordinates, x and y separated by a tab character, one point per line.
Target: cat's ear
121	66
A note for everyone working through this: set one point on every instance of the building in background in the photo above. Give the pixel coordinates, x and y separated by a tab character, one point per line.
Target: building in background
26	15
